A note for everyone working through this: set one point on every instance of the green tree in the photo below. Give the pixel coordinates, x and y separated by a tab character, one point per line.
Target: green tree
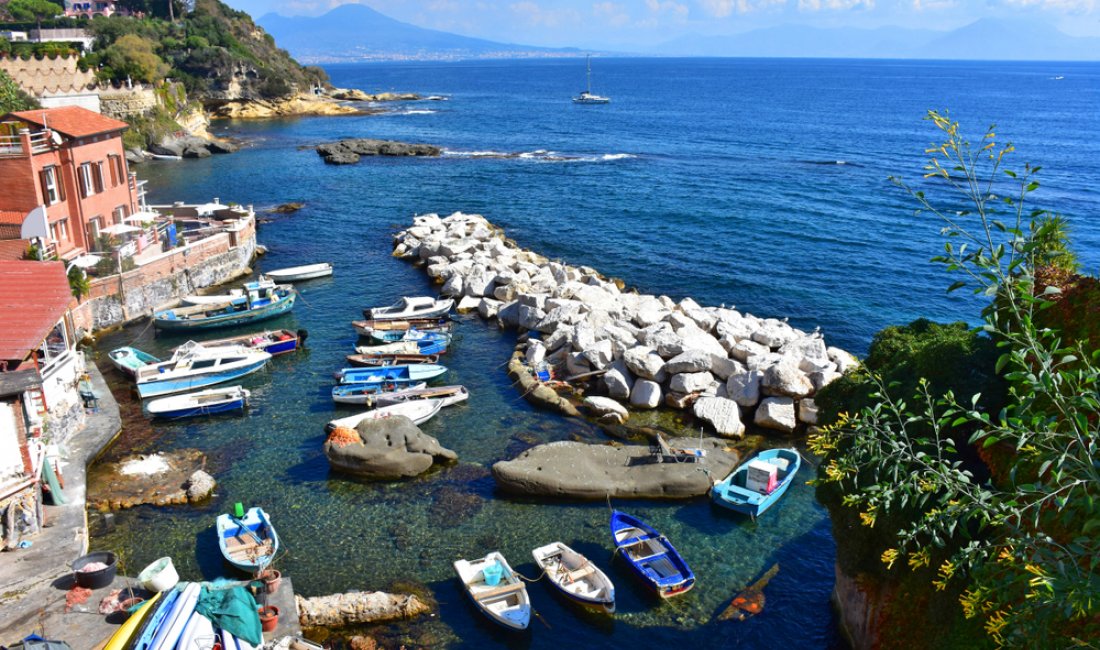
1019	547
134	56
35	10
12	98
79	283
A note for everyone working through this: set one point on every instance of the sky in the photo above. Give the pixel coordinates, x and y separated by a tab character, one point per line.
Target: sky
641	23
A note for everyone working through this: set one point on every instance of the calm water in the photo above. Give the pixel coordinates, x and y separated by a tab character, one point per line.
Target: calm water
706	178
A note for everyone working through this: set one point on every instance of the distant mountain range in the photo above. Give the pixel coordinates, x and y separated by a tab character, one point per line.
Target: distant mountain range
988	39
355	32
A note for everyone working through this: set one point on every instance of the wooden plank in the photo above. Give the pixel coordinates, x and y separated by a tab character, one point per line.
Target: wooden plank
499	591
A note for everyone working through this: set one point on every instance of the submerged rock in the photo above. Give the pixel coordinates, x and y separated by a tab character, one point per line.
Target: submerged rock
344	149
357	607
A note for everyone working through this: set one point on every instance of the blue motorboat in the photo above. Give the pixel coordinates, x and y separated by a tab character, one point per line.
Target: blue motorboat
366	393
195	366
651	555
406	372
204	402
247	539
411	334
758	483
262	301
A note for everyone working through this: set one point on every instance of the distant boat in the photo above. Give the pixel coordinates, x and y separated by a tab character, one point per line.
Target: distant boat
234	295
758	483
404	347
366	394
129	360
411	307
576	576
299	273
587	96
375	360
496	590
247	540
204	402
198	367
274	342
412	334
651	555
410	371
419	411
389	331
260	303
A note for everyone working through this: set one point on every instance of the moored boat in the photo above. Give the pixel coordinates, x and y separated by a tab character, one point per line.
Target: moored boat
234	295
274	342
419	411
299	273
411	307
366	394
198	367
651	555
576	576
247	539
404	347
259	304
204	402
443	323
447	395
412	334
406	372
129	360
375	360
758	483
496	590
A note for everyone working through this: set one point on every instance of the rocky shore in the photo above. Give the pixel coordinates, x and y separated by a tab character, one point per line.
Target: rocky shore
347	152
731	369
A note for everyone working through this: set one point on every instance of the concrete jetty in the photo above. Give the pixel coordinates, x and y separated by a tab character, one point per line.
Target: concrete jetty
730	368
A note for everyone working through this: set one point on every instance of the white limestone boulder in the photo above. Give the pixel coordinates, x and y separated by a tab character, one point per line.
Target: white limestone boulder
529	317
488	308
744	387
606	409
689	361
646	394
618	381
844	361
784	378
746	348
644	362
467	304
691	382
722	414
776	413
807	411
723	367
453	286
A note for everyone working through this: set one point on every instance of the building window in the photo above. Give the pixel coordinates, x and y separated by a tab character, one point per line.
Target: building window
51	185
87	185
120	214
60	230
97	176
54	346
118	172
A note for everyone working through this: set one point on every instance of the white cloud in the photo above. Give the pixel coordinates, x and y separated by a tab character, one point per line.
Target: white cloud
719	8
834	5
933	5
613	13
666	7
535	15
1066	6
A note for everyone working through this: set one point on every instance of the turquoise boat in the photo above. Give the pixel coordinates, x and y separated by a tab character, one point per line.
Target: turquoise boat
758	483
405	372
262	302
129	360
247	539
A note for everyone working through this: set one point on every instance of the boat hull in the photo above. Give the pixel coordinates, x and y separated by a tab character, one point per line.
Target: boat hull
576	577
127	360
401	372
367	394
505	603
188	406
192	382
167	322
733	497
255	520
274	342
651	556
299	273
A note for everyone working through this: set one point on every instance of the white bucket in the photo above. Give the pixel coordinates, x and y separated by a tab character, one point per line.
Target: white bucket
159	576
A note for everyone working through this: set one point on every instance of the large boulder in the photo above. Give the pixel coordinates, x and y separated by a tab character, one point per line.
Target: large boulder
776	413
744	387
606	409
582	471
722	414
387	448
644	362
784	378
689	361
843	360
691	382
618	380
646	394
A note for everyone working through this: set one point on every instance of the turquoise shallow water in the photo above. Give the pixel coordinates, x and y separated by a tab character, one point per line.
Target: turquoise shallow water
712	179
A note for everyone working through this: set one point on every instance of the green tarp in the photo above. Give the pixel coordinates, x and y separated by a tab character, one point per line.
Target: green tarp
232	609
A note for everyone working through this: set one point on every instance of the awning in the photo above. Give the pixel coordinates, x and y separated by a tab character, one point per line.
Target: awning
120	228
143	216
85	261
205	209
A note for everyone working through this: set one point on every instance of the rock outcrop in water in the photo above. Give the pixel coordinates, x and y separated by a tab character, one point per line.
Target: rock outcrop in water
583	471
357	607
384	449
639	349
346	152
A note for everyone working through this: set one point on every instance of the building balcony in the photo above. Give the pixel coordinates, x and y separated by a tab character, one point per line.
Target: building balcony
24	144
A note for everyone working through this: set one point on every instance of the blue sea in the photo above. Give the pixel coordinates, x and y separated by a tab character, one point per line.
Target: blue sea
756	183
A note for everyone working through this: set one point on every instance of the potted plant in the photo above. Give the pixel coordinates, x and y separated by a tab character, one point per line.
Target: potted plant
269	617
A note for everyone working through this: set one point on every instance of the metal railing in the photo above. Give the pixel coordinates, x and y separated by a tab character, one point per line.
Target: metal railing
11	146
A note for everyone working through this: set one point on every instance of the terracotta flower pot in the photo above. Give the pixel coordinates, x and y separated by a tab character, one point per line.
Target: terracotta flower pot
271	579
129	604
269	617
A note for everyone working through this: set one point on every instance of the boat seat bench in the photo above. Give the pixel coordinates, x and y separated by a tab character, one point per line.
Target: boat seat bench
499	591
582	572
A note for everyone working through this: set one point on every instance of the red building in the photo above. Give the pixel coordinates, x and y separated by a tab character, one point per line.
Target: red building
71	161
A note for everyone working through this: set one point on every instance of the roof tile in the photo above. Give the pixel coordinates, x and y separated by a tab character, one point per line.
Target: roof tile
33	297
73	121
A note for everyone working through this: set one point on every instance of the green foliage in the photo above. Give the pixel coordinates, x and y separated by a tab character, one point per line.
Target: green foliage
11	97
36	10
149	128
79	283
133	56
1019	550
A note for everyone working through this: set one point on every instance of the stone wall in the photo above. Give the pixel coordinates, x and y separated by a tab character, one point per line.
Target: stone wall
124	102
124	298
48	75
860	611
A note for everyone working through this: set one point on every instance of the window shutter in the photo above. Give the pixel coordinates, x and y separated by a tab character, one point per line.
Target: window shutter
97	170
59	181
45	187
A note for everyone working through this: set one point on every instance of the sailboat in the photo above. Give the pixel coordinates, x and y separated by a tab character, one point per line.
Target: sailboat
587	96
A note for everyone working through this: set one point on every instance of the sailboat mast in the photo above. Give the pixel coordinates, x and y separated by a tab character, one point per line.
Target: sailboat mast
588	58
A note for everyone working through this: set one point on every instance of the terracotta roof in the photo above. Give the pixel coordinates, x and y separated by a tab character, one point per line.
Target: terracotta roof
12	216
13	249
73	121
33	297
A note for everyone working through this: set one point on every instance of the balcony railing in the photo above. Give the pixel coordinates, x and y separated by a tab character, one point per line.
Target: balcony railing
11	146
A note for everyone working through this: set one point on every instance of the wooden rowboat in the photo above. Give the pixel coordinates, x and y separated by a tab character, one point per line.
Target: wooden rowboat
203	402
298	273
374	360
496	590
576	576
759	483
419	411
248	542
447	395
129	360
651	555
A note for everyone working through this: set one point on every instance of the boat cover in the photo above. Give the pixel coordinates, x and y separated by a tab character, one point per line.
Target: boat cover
230	607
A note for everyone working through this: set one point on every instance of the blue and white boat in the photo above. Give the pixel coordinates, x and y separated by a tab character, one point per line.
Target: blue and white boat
758	483
411	307
247	539
128	360
651	555
410	334
274	342
406	372
262	301
203	402
405	347
366	394
198	367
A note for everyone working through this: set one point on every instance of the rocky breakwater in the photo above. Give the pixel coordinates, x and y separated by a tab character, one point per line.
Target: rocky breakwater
348	152
384	449
731	369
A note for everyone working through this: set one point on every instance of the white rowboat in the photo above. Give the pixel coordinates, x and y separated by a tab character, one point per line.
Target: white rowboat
502	598
576	576
296	273
419	411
